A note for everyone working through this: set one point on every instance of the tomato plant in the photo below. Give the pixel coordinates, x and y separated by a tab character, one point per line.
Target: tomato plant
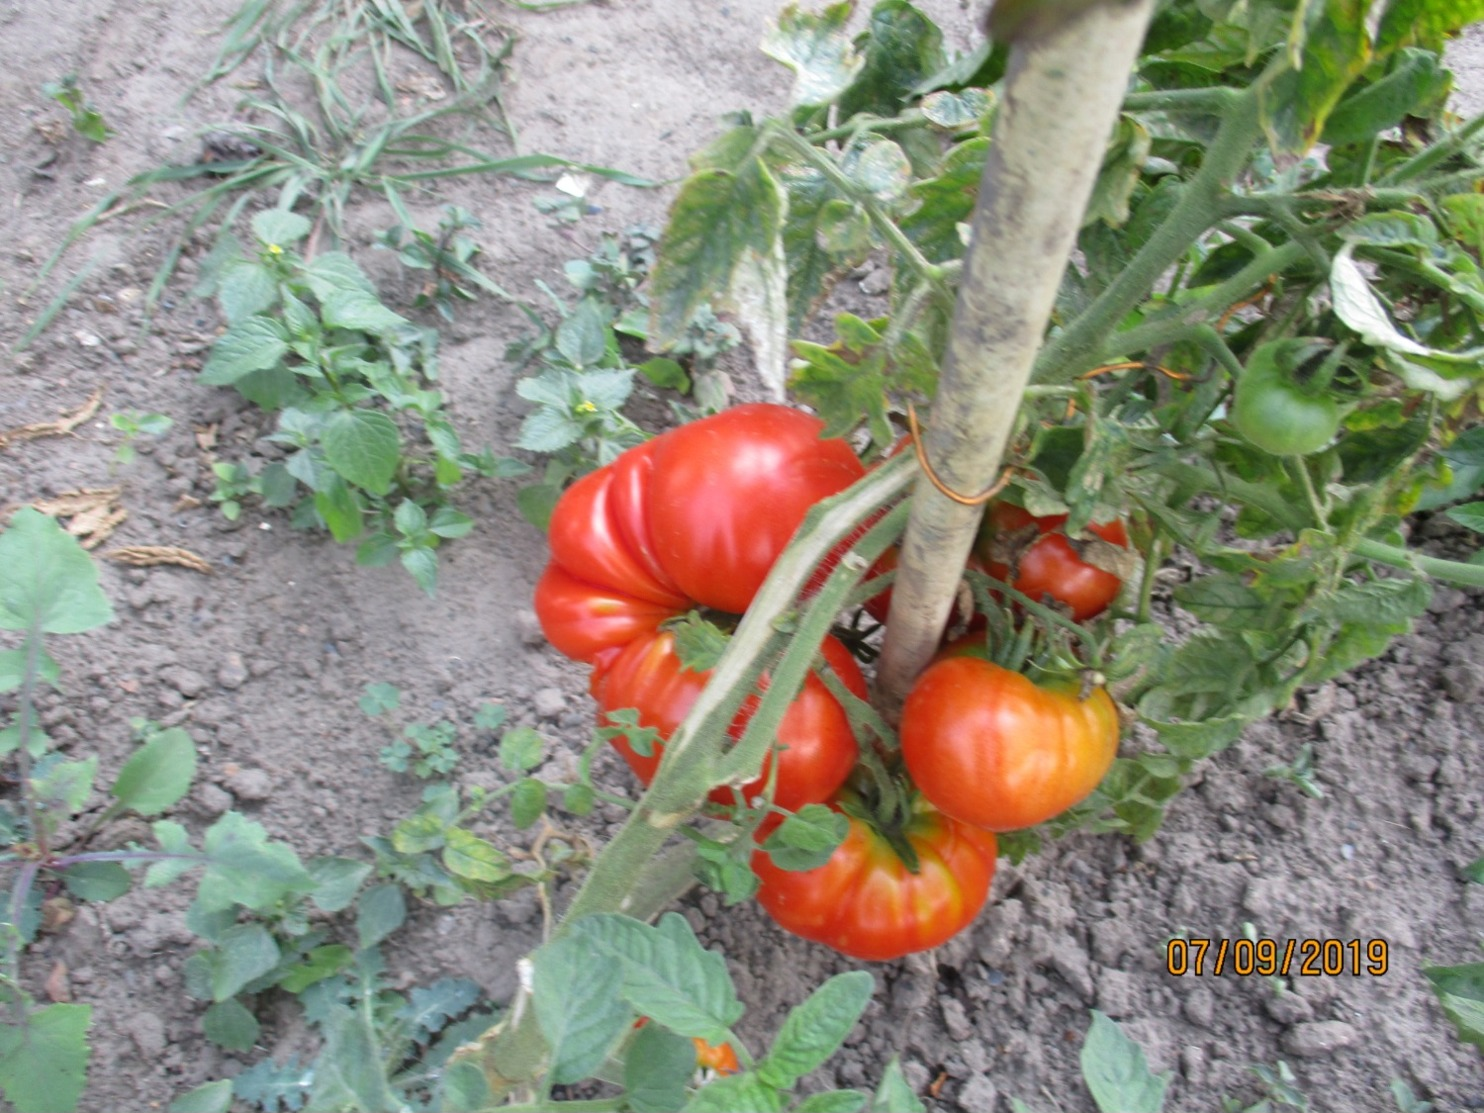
993	748
867	902
1045	561
817	747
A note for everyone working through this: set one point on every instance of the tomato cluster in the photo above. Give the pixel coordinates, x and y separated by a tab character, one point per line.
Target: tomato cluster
695	519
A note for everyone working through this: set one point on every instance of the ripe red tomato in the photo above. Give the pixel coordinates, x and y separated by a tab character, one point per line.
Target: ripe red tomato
817	747
1049	564
992	748
728	493
866	903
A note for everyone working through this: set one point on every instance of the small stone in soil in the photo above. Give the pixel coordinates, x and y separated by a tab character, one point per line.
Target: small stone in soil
1319	1037
549	702
233	673
252	785
978	1093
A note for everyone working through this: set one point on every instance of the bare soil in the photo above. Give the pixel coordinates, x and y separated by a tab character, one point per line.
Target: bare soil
263	661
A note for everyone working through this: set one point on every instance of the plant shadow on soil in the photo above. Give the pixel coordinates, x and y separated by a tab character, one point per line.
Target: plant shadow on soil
264	660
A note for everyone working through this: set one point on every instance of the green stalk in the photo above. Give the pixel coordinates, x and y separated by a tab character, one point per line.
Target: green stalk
1081	345
1451	571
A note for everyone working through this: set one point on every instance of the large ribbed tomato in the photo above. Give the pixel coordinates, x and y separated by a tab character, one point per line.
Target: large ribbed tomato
992	748
817	747
865	902
1048	563
695	517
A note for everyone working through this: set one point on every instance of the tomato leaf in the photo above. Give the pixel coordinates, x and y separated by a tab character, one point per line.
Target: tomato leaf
210	1097
894	1093
1116	1074
815	1029
805	840
656	1070
716	218
379	912
336	881
946	201
578	1006
666	972
527	802
818	48
732	1092
1470	515
903	48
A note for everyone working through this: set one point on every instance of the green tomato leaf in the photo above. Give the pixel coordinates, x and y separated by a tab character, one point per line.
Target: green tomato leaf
1295	104
1463	213
894	1093
364	447
158	774
698	643
812	266
319	964
1414	84
1425	21
1470	515
818	48
1460	991
255	344
946	201
736	1093
657	1069
956	111
578	1006
1116	1074
44	1058
48	582
1121	173
665	373
359	310
422	564
815	1029
833	1101
718	216
882	170
807	839
548	430
903	47
667	974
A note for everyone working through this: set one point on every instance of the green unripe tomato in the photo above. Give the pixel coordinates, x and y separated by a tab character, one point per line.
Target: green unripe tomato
1273	411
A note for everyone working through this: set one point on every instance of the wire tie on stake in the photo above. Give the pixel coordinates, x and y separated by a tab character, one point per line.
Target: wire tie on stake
943	489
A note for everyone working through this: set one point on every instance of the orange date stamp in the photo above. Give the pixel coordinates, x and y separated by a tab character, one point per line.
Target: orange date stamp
1307	958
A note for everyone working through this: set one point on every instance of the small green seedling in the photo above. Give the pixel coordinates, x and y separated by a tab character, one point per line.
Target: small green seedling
87	121
133	424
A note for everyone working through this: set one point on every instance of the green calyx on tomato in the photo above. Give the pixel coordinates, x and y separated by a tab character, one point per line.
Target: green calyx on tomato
992	748
1035	557
1281	402
867	902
